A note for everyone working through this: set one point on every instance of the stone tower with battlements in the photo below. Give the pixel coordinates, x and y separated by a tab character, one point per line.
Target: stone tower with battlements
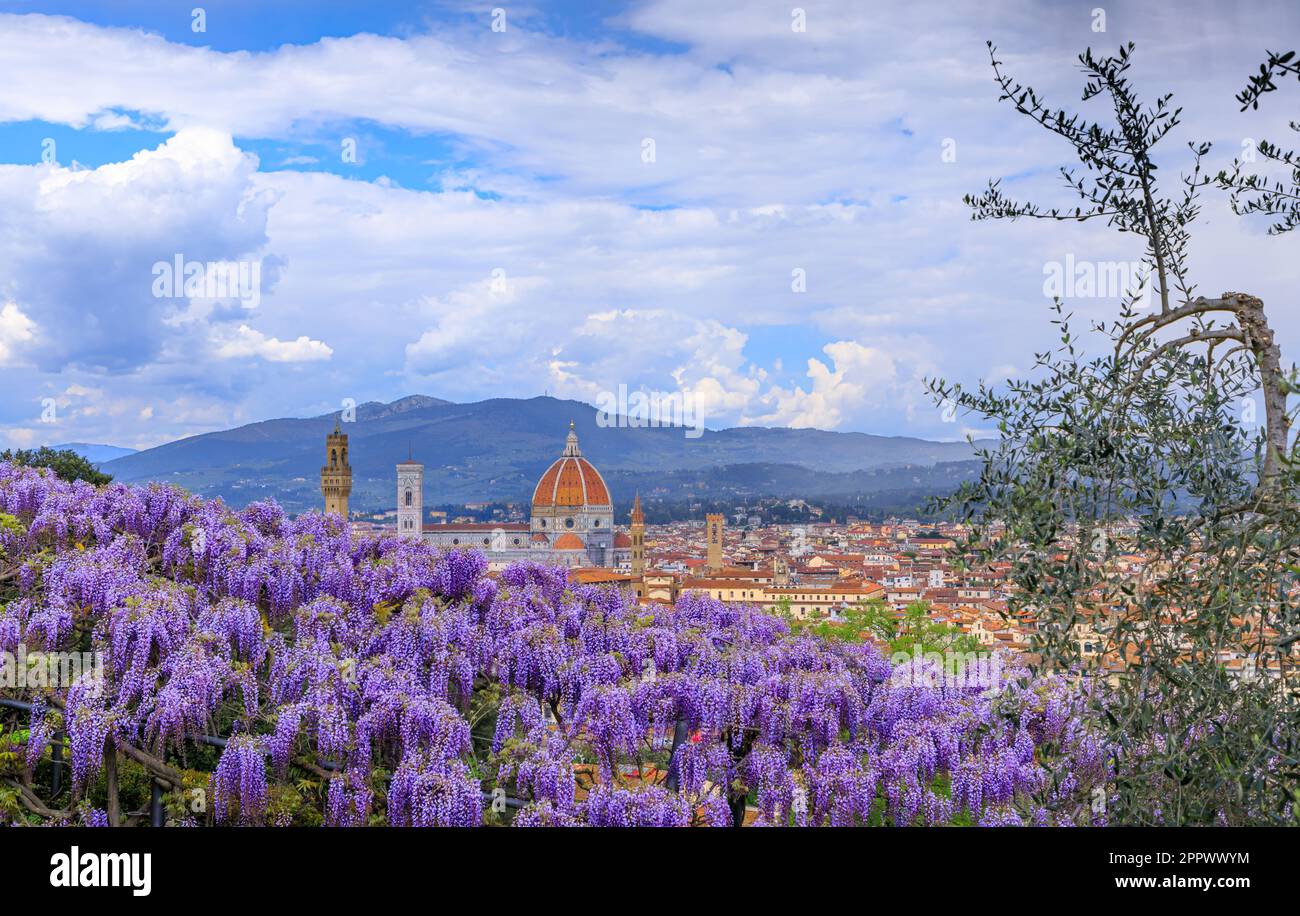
336	475
714	526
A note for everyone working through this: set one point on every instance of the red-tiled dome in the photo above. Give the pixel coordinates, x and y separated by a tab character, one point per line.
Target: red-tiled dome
622	540
571	481
569	541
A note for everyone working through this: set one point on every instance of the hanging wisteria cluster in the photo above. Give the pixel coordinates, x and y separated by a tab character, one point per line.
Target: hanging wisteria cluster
383	681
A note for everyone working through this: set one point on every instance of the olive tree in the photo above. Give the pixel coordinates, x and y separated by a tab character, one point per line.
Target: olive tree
1145	503
1253	192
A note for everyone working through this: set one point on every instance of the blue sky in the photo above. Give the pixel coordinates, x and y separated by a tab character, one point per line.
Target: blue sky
436	206
251	25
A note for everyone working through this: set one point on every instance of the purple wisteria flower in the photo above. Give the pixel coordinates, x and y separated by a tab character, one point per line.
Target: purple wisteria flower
391	681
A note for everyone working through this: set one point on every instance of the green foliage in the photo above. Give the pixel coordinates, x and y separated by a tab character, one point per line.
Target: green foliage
11	809
67	464
285	804
13	744
1143	451
877	622
10	524
1252	192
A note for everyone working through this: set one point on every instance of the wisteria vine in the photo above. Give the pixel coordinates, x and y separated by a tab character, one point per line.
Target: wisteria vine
380	680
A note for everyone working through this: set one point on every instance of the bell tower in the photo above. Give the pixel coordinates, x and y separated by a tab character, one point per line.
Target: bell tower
638	538
713	539
410	498
336	474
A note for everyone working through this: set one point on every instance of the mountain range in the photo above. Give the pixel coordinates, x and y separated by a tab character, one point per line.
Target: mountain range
96	454
495	450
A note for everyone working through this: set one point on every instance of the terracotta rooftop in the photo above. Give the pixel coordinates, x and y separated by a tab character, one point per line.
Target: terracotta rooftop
569	541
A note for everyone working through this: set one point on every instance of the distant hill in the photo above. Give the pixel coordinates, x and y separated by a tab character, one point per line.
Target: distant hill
496	449
97	454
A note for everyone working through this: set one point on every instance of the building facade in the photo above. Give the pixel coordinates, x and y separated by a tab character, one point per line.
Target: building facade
571	520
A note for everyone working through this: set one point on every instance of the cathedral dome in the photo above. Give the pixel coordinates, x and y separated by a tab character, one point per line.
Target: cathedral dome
571	481
569	541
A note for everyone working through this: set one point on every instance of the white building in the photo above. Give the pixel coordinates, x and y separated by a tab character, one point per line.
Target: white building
571	524
410	498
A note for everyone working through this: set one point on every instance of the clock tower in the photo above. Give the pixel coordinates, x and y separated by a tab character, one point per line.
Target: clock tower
336	474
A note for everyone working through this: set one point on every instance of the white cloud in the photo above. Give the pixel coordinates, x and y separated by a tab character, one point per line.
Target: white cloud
16	329
999	374
775	151
79	245
20	436
661	350
246	342
858	377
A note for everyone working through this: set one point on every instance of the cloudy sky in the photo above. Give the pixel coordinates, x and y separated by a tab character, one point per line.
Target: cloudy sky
670	195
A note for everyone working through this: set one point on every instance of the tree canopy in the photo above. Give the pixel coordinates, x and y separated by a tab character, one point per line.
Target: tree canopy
66	463
1149	515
